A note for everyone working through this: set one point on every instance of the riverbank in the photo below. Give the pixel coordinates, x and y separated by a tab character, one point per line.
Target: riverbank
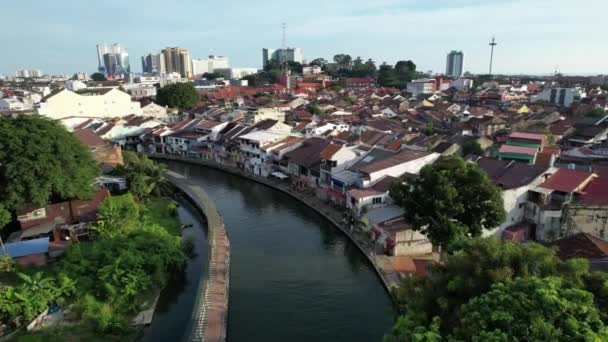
387	275
209	317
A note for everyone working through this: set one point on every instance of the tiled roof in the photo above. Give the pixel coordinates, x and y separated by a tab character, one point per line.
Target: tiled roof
329	151
384	184
523	135
581	245
363	193
565	180
509	174
399	158
88	137
595	193
518	149
309	153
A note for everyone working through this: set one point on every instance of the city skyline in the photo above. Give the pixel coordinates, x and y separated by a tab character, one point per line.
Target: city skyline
534	35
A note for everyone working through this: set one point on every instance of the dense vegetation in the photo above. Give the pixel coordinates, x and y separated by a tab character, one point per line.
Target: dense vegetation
450	200
492	290
178	95
145	177
41	162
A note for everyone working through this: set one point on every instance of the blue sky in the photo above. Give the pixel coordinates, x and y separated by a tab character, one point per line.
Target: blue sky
534	36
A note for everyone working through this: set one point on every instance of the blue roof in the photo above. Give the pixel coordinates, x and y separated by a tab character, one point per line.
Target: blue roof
26	247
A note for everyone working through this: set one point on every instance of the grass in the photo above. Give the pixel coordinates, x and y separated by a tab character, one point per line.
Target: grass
162	211
74	333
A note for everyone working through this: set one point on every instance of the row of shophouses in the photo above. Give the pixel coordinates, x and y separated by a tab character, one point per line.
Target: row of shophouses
543	202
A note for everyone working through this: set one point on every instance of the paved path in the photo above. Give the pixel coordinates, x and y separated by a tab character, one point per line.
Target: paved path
390	278
210	315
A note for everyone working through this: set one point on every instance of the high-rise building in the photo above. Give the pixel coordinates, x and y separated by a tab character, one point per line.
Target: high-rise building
282	55
178	60
218	62
28	73
113	60
455	64
153	64
200	66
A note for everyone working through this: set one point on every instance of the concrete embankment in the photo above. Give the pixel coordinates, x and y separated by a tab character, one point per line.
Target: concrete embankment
210	314
389	278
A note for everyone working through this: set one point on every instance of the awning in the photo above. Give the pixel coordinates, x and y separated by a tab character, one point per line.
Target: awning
279	175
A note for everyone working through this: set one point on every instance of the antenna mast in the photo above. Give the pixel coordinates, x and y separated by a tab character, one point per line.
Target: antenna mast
493	43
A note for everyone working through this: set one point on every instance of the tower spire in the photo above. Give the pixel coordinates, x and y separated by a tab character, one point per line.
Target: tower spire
493	43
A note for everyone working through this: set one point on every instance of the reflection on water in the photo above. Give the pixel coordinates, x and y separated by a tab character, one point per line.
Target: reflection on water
293	276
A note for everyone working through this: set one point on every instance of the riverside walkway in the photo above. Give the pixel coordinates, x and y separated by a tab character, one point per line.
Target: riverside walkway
390	278
209	317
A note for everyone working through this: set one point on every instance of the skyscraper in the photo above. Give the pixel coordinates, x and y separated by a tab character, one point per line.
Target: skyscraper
455	64
113	60
178	60
281	55
153	64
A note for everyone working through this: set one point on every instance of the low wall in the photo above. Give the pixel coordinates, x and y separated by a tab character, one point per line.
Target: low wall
210	314
388	280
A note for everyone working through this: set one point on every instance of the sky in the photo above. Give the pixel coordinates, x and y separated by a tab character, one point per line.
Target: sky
534	36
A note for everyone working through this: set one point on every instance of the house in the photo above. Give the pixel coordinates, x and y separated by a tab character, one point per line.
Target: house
110	102
266	114
425	86
158	112
522	146
360	83
560	96
26	253
546	201
106	154
588	211
333	158
38	221
378	163
305	161
582	245
251	144
486	126
515	181
360	200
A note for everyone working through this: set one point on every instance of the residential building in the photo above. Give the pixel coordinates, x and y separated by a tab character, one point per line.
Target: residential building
425	86
108	103
360	82
588	211
11	104
564	97
178	60
262	114
200	67
28	253
522	146
455	64
218	62
155	111
282	55
547	200
585	246
311	70
75	85
251	149
139	92
463	84
358	200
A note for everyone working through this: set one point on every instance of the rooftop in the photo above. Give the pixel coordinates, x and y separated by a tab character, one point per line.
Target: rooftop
568	181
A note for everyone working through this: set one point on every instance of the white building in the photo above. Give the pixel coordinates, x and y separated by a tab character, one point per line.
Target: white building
110	103
11	104
315	131
75	85
425	86
282	55
560	96
267	113
310	70
218	62
200	66
252	145
463	84
238	73
28	73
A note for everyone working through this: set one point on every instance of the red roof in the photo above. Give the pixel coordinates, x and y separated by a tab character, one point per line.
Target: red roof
518	149
88	137
565	180
530	136
362	193
329	151
596	192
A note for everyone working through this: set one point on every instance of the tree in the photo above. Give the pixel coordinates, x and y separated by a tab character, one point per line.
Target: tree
42	162
528	309
451	199
211	75
315	110
344	61
318	62
472	147
117	215
178	95
98	77
472	271
145	177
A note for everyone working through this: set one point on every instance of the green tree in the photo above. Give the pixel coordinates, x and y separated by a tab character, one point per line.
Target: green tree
315	110
211	75
42	162
529	309
178	95
450	199
145	177
471	147
472	270
117	215
98	77
318	62
344	61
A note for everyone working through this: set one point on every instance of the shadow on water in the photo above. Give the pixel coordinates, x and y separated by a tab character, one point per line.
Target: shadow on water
176	301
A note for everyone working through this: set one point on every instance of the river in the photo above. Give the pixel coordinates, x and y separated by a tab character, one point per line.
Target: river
293	276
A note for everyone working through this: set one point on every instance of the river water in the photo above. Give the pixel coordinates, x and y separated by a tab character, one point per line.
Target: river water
293	276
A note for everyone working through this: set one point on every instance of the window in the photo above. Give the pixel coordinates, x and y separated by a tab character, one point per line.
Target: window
377	200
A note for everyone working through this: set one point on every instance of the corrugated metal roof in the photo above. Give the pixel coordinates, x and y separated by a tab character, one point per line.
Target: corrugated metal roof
27	247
